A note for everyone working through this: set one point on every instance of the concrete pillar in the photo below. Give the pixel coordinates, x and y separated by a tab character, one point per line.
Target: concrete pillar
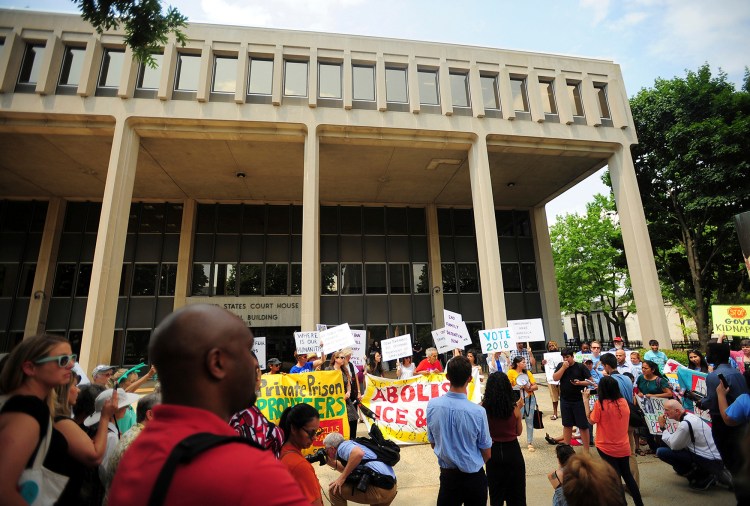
488	249
545	275
185	254
475	88
348	89
436	270
380	95
311	234
444	85
243	65
638	251
312	78
36	318
101	309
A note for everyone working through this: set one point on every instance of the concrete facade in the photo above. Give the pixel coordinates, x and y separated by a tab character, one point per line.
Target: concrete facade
297	123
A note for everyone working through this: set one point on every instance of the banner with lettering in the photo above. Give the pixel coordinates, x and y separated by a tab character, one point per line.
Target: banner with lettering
323	390
731	320
692	381
400	406
653	408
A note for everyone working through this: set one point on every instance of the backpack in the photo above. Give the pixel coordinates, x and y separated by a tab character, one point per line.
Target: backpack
386	451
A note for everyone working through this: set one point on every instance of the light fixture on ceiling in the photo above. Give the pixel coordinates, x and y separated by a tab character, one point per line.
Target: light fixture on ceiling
511	184
437	162
240	175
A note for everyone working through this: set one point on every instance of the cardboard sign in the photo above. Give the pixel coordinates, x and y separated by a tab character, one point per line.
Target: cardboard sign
259	348
731	320
359	355
653	408
494	340
553	358
336	338
307	342
396	347
442	342
527	330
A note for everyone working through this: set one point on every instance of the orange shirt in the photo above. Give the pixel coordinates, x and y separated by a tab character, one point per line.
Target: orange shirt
302	471
612	427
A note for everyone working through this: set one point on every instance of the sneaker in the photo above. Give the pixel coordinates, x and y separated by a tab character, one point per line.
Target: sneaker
725	478
531	448
702	484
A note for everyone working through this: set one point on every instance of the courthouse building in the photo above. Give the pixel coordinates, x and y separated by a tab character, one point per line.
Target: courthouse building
295	178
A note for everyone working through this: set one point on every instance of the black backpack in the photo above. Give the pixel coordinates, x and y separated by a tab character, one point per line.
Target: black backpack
386	451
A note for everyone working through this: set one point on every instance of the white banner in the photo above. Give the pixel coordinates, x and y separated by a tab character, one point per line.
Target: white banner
259	348
396	347
494	340
359	355
307	342
553	358
336	338
653	407
527	330
442	342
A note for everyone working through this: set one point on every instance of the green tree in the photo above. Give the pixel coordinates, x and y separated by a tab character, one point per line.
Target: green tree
146	27
692	163
589	263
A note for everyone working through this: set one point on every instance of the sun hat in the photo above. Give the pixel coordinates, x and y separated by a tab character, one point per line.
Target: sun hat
103	368
123	399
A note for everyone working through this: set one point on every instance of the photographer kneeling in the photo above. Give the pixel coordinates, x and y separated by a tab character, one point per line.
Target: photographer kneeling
364	479
301	424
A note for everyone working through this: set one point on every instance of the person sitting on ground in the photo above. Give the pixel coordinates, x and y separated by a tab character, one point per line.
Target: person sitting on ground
214	345
553	386
301	424
690	448
303	365
654	355
381	488
611	415
589	482
430	364
506	469
697	362
563	453
405	370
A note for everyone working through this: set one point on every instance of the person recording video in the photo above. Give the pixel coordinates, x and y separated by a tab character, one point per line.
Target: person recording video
301	425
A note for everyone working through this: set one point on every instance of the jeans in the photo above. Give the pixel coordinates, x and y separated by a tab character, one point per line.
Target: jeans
682	461
529	406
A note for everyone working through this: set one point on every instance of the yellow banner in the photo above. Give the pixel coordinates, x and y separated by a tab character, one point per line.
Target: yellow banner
323	390
400	406
731	320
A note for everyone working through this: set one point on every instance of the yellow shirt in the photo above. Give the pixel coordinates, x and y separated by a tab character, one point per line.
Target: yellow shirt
513	376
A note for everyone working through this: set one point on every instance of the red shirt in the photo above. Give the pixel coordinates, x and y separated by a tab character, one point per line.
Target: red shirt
503	430
425	365
302	471
234	473
612	427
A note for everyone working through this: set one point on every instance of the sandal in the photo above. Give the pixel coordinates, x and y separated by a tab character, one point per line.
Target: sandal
550	439
553	417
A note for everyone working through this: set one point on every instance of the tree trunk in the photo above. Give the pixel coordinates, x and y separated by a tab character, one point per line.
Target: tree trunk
701	311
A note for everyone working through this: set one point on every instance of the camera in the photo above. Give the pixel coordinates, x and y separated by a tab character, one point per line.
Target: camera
364	481
319	456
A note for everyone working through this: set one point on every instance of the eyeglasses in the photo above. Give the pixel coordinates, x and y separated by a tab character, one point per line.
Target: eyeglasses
340	357
313	433
62	360
596	347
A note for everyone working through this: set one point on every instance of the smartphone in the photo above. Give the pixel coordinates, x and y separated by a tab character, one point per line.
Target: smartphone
723	381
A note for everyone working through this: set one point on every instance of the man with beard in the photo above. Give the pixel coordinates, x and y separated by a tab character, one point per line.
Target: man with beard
207	374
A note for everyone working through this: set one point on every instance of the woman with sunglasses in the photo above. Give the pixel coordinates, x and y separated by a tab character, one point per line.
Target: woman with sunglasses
301	425
34	368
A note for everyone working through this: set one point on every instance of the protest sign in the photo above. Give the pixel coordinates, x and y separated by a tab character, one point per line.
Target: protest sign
359	356
322	390
336	338
693	381
396	347
527	330
442	342
400	406
553	358
731	320
307	342
653	408
494	340
465	336
259	348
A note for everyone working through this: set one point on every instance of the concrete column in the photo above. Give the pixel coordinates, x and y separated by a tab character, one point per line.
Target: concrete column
90	71
101	309
475	88
533	92
185	254
545	275
564	107
590	102
380	97
506	95
444	86
436	270
168	68
488	250
204	80
129	75
348	82
36	318
50	69
412	82
312	78
243	64
278	75
638	251
311	233
10	61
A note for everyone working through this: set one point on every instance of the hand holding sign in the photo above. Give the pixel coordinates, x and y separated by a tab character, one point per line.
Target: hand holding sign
495	340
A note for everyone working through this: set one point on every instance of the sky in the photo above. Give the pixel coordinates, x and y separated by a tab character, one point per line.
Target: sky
649	39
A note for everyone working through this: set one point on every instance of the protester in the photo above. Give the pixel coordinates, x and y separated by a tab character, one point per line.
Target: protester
596	350
85	405
654	355
430	364
301	425
381	487
741	357
611	415
595	375
635	360
473	357
303	365
458	432
690	449
352	402
523	350
523	382
506	469
623	364
339	363
375	364
417	351
589	482
563	453
619	344
553	386
274	366
573	378
253	425
498	362
651	383
214	346
696	362
406	369
102	374
32	370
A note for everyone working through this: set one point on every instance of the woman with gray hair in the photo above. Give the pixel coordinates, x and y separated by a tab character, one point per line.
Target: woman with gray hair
430	364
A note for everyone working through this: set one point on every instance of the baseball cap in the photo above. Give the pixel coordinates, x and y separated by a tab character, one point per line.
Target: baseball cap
618	338
123	399
274	361
103	368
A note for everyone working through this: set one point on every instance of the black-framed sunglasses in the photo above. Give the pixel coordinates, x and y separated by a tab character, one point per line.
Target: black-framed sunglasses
313	433
62	360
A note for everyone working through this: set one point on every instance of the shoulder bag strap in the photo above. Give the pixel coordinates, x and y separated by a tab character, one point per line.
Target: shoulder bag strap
41	451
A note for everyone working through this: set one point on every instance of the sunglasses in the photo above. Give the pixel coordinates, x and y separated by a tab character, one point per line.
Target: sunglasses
313	433
62	360
342	357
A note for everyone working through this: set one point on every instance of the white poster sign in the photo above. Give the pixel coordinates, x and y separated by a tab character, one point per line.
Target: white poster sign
259	348
442	342
336	338
359	356
396	347
527	330
494	340
465	336
307	342
553	358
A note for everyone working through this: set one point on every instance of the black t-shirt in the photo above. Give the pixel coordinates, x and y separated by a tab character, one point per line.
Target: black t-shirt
568	391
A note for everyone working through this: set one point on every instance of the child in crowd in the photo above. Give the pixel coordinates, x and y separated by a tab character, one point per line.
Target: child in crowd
635	359
564	452
656	356
595	375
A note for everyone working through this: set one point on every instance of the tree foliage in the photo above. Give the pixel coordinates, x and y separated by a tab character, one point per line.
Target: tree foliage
146	27
692	163
589	263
